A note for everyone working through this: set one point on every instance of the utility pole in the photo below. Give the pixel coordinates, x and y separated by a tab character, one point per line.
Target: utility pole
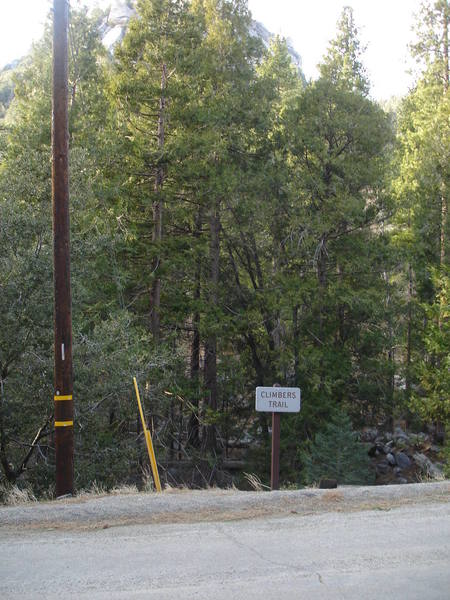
61	254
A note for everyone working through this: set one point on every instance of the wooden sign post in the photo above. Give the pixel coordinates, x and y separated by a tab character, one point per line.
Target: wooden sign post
275	462
277	400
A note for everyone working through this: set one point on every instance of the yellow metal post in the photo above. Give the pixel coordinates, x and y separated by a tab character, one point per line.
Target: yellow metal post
148	440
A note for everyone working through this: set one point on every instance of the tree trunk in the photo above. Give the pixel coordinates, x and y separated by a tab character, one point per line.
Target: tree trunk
7	468
440	429
442	253
445	44
391	349
210	369
193	425
322	281
409	335
443	226
322	288
172	430
155	294
443	186
295	340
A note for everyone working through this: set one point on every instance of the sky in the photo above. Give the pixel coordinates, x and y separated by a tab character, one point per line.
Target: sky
385	27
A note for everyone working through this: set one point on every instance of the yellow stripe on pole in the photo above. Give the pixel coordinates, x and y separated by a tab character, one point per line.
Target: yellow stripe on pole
58	398
148	440
63	423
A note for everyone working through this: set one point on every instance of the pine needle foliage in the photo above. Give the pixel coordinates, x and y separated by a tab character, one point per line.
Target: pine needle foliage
337	453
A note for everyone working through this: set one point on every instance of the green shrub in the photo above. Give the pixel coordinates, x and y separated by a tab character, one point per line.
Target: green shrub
337	453
446	453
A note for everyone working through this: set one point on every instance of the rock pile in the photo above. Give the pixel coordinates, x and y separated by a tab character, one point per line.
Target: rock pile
403	457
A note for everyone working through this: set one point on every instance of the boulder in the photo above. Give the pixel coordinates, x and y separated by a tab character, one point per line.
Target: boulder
369	435
327	484
391	459
427	466
387	448
400	434
382	467
403	460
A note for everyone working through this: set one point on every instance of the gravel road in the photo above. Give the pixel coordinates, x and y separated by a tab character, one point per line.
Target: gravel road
352	543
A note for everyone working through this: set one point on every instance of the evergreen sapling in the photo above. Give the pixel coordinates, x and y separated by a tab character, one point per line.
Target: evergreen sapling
337	453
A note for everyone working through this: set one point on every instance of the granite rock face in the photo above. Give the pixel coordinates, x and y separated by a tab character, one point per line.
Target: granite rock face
120	12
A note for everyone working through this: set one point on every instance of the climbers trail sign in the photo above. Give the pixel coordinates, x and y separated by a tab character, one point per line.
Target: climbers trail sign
277	399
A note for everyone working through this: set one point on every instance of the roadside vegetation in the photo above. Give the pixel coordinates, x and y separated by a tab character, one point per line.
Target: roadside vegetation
232	227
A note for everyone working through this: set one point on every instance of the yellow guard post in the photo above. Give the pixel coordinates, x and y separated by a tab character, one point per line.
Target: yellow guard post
148	439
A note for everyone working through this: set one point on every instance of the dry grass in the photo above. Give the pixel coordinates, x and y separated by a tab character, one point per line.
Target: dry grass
255	482
426	477
125	490
212	509
171	489
12	495
97	491
94	490
184	489
333	496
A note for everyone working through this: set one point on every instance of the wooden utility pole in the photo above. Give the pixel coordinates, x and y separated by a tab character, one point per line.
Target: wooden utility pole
61	254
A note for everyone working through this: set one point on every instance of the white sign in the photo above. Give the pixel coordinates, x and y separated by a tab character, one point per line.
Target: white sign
277	399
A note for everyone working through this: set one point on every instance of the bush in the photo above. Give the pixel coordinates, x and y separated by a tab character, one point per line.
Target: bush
446	453
337	453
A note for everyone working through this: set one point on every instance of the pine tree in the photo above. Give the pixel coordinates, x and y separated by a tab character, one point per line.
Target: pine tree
337	453
421	190
210	58
343	63
431	48
338	145
150	90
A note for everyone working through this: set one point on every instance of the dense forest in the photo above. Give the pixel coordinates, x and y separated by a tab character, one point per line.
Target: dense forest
232	226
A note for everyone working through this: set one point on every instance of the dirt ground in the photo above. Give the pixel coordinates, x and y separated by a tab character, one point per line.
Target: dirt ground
186	506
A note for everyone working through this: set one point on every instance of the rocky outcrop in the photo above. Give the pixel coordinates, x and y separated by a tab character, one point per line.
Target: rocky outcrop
402	456
258	30
121	11
116	22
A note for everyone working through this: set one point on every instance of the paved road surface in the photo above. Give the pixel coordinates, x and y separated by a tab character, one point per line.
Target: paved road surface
400	554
